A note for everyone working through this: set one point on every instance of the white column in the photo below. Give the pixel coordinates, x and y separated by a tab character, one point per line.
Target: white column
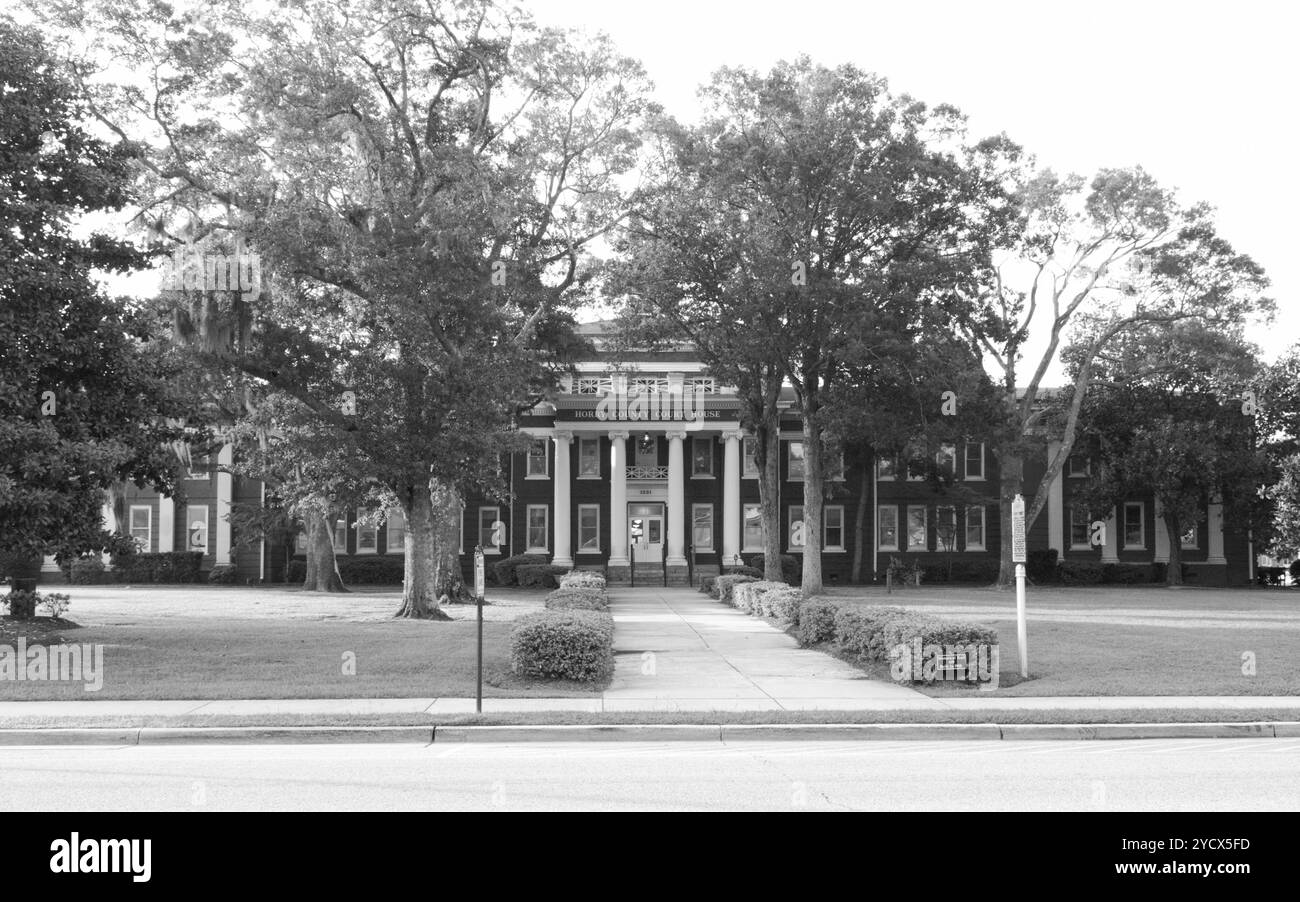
1056	505
618	502
563	556
166	523
676	501
1110	551
110	525
1162	535
225	495
1215	524
730	497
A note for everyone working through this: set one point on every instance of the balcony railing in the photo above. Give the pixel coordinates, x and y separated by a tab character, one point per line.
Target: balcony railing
646	472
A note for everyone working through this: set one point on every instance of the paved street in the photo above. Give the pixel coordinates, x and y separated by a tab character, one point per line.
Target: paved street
980	776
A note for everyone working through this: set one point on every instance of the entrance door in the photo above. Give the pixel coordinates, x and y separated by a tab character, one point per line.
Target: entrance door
645	531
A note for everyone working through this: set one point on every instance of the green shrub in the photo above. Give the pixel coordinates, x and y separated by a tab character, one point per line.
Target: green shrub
296	572
816	621
582	579
54	603
791	567
858	628
572	645
782	604
708	585
158	567
908	628
566	598
504	569
748	596
223	575
545	576
1126	574
962	572
1080	573
728	582
1040	565
1295	570
743	571
370	571
87	571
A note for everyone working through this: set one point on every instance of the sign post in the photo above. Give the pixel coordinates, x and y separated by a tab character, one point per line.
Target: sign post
480	581
1018	558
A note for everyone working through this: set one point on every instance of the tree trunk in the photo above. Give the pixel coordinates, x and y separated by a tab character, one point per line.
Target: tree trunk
1174	569
769	495
860	521
322	568
813	488
1011	468
420	576
447	513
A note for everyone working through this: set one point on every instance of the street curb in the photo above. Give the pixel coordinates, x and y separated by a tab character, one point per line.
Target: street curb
581	733
859	731
1065	731
424	735
70	736
185	735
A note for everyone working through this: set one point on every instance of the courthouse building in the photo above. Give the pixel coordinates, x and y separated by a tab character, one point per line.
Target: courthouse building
641	461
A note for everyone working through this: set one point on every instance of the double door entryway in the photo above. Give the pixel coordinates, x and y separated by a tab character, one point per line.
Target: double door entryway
645	531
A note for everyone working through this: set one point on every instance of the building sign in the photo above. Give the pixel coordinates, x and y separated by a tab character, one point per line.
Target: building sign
1018	530
678	403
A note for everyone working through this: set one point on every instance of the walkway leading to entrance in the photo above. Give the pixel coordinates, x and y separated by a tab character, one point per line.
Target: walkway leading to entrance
677	650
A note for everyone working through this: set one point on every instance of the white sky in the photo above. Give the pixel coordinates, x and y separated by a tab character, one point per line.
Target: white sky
1202	95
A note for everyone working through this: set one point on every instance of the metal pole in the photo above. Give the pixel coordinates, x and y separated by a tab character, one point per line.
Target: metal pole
479	581
631	555
1022	631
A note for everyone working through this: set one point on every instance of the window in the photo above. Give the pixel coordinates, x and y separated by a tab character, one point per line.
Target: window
647	451
538	539
589	529
1189	539
974	529
1076	465
702	385
887	468
649	385
887	528
199	468
753	528
367	537
946	460
537	459
749	447
974	460
917	525
591	385
701	456
139	525
702	526
1078	527
196	527
589	458
1134	528
491	531
794	455
833	528
945	528
396	541
798	540
341	535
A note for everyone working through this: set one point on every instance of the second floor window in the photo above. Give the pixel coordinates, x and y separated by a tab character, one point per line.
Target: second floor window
537	458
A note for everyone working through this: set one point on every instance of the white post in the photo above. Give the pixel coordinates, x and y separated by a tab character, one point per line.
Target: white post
110	525
166	523
563	556
1215	524
618	501
730	497
1018	554
225	495
676	501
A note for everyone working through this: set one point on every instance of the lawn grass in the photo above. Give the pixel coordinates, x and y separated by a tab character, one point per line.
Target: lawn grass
210	658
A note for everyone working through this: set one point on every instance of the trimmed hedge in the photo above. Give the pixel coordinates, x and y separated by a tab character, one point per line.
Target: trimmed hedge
815	621
1040	565
708	585
158	567
571	645
726	583
296	572
1091	573
747	596
87	571
222	575
791	567
973	572
369	571
782	604
577	599
582	579
1080	573
504	569
546	576
858	629
743	571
